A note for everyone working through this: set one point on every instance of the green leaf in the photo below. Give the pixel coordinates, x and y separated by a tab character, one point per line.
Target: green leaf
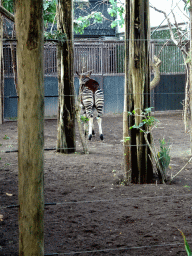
137	126
189	253
55	35
98	17
127	139
84	119
114	24
6	137
8	5
148	110
111	1
112	12
186	186
49	11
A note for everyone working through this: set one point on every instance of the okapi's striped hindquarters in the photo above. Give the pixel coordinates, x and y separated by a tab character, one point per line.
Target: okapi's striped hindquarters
91	97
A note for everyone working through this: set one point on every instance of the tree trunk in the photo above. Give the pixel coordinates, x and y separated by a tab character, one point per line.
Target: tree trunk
127	98
66	109
190	73
29	30
138	83
2	71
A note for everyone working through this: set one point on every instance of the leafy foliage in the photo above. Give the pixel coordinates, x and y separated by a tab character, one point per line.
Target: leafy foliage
49	11
147	119
6	137
161	159
163	155
97	17
8	4
55	35
114	10
82	22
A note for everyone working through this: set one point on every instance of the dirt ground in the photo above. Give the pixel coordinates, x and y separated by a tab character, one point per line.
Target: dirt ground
94	214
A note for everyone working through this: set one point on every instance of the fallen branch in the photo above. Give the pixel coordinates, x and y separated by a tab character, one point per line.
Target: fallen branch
181	169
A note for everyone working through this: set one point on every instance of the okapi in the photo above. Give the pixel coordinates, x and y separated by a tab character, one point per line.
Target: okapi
91	97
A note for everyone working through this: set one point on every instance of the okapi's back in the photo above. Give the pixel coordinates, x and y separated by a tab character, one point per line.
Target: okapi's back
92	85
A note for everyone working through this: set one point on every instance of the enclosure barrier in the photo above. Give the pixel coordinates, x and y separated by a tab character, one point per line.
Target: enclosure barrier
107	62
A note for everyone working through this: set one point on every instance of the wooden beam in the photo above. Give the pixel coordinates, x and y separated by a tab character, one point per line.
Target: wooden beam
7	14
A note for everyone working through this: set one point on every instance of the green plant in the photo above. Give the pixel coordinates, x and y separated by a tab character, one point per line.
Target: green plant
84	119
6	137
147	120
163	155
55	35
188	250
8	4
146	125
13	118
116	11
126	139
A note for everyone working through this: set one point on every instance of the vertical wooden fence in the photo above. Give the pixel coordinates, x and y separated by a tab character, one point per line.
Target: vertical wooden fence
102	57
106	60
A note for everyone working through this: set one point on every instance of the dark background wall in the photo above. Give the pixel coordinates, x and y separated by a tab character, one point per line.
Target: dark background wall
168	95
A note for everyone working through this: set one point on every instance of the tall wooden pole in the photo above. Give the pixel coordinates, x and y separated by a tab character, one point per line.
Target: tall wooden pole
190	72
2	71
29	31
137	81
127	98
66	109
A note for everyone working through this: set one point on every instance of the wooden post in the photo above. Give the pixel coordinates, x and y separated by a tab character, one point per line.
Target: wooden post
2	71
190	72
127	98
138	166
66	117
29	31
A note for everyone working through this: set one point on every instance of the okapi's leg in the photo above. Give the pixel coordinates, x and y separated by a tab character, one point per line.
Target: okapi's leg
93	131
90	127
99	121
